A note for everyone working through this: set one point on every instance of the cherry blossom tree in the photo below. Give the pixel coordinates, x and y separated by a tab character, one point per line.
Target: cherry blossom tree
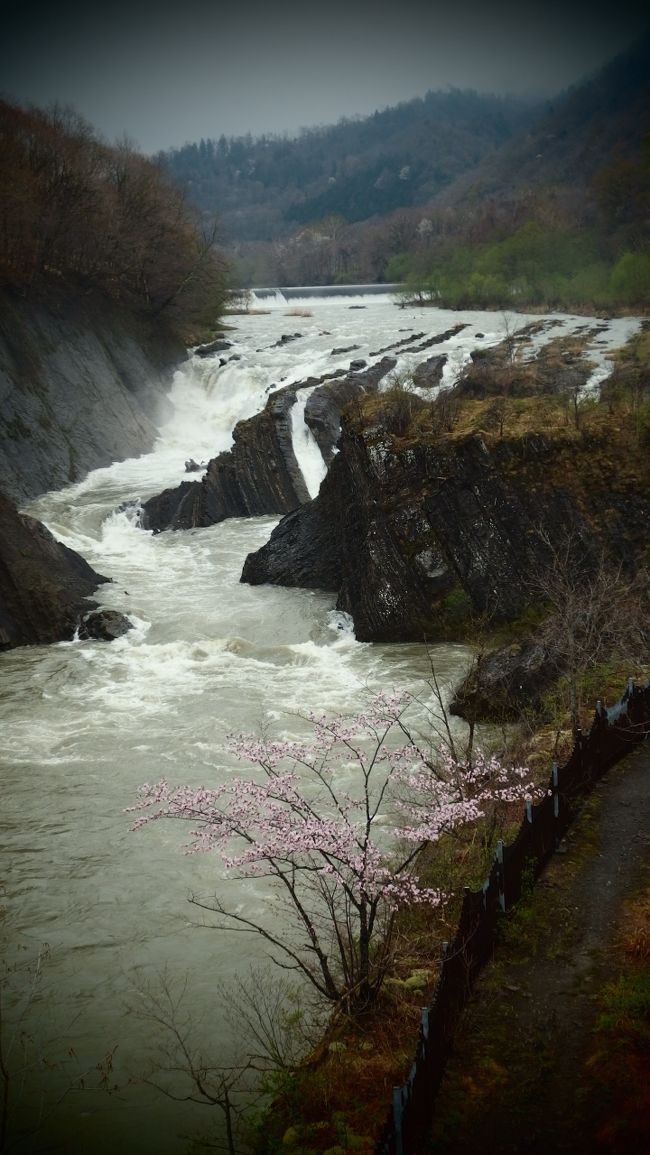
326	822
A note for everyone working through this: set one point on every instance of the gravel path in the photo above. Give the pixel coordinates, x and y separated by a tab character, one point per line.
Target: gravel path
517	1081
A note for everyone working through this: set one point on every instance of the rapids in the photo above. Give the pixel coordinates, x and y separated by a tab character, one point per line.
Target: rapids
85	723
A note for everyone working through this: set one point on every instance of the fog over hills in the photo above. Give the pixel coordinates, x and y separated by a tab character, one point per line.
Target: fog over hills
353	200
165	73
262	188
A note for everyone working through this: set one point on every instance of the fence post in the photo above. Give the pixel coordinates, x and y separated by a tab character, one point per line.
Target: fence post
397	1120
425	1023
500	877
555	775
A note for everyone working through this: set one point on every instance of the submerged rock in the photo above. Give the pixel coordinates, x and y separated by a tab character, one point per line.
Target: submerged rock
338	352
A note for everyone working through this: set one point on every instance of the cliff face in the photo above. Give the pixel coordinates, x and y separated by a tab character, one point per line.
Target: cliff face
408	529
81	385
44	586
260	474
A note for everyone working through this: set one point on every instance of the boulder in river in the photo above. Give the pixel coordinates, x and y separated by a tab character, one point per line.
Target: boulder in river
218	346
104	625
428	373
44	586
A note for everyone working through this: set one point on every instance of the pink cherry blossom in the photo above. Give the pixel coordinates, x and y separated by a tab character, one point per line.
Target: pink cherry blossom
344	861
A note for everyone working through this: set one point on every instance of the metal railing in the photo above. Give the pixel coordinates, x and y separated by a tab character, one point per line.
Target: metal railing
612	735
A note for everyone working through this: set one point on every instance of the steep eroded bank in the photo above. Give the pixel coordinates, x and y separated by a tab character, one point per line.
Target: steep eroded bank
82	384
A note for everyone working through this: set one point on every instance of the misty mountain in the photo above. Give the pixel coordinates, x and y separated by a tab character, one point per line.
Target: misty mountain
427	185
403	156
602	121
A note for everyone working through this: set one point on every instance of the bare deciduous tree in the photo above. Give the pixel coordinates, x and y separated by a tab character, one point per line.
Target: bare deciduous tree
597	612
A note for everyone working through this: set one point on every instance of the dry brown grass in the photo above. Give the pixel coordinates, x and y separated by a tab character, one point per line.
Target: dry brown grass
635	929
619	1064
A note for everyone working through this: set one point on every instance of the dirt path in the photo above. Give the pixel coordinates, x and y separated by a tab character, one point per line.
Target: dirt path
519	1079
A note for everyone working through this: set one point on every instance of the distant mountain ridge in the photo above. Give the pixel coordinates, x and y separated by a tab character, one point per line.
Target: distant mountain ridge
605	117
265	187
390	196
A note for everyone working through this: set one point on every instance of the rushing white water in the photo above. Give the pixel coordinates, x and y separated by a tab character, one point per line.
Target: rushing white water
85	723
305	446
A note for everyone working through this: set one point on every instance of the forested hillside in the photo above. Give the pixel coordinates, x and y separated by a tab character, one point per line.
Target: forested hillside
262	188
559	216
80	217
471	199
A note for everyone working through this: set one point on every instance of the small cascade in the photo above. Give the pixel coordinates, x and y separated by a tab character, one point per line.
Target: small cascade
305	446
268	297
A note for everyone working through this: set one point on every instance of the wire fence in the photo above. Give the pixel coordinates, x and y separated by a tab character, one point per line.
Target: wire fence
613	733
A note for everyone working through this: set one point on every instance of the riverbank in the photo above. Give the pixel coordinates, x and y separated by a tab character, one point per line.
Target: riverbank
552	1049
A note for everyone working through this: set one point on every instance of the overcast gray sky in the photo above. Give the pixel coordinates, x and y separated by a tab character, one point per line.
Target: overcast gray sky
167	73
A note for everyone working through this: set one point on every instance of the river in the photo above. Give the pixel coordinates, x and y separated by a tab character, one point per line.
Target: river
85	723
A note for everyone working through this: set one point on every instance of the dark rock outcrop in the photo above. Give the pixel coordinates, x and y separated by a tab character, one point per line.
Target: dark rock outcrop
217	346
437	339
303	551
44	586
416	525
509	368
104	625
505	681
375	548
428	373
